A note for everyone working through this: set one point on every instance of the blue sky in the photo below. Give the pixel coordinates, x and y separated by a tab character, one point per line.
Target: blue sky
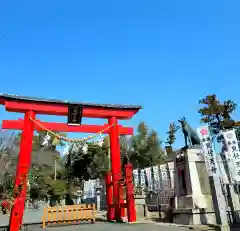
163	55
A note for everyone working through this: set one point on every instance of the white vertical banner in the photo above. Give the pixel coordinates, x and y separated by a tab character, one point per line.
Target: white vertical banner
233	153
142	175
86	186
171	173
219	204
222	171
149	178
156	177
226	154
85	189
93	189
136	177
160	177
89	193
164	175
208	151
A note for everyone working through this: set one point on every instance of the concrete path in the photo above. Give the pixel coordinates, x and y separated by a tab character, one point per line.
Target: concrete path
110	227
30	216
34	216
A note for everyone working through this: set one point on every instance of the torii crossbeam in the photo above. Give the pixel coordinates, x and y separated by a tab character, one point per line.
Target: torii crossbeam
61	127
33	106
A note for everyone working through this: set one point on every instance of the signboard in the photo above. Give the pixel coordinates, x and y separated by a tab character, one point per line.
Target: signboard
208	151
74	115
233	153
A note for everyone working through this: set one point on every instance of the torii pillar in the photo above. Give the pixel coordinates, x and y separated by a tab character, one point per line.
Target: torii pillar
115	164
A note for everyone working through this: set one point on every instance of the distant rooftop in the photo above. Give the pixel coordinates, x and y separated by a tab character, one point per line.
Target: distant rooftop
4	97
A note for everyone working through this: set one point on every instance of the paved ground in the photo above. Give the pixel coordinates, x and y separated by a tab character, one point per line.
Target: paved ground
110	227
33	216
30	216
144	225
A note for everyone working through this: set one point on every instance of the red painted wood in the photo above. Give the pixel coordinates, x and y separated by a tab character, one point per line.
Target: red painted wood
24	163
131	211
109	197
32	108
121	199
116	164
62	110
62	127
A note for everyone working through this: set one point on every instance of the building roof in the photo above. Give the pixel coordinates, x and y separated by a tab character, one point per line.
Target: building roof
10	97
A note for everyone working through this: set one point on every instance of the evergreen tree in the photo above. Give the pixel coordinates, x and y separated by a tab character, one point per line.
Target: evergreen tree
216	114
146	148
41	174
142	150
173	128
90	165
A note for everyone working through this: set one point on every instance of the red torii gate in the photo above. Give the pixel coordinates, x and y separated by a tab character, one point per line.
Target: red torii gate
33	106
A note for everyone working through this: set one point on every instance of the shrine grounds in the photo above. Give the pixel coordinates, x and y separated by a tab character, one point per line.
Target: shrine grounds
34	216
105	226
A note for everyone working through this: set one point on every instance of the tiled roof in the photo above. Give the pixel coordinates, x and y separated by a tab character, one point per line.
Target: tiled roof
67	102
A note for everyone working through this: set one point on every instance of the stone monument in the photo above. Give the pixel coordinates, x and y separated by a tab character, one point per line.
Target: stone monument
193	199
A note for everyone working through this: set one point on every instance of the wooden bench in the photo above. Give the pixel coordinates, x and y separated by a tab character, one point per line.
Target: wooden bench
70	214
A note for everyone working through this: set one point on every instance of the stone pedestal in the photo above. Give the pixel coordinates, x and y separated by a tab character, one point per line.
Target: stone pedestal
140	205
98	198
193	200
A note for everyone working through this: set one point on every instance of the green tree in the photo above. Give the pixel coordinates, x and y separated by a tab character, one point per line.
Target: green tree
142	150
216	114
94	163
84	166
57	188
173	128
41	176
146	148
43	183
125	148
